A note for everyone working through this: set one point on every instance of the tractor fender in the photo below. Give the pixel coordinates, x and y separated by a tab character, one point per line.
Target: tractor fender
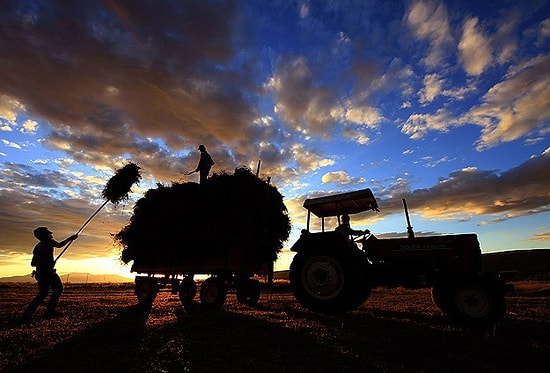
325	240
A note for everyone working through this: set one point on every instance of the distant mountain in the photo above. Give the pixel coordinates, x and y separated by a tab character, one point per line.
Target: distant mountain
522	261
26	278
74	278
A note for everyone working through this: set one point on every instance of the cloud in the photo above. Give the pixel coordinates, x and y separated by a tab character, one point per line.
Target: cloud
516	106
341	178
307	160
33	196
470	192
458	92
45	182
429	21
475	49
432	88
544	31
31	210
303	10
125	73
505	40
9	107
417	125
29	127
366	115
314	108
541	237
430	163
301	102
462	195
357	134
11	144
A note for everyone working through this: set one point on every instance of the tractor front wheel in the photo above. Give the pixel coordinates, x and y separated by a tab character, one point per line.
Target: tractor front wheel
471	301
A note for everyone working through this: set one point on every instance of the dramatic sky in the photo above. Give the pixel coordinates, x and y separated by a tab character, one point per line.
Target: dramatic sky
444	103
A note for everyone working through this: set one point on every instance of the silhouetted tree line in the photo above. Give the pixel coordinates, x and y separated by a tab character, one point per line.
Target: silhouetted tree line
192	222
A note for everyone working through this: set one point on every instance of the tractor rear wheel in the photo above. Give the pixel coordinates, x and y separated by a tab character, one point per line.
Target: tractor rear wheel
327	281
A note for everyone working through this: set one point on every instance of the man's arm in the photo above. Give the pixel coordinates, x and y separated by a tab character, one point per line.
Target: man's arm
65	241
199	165
359	232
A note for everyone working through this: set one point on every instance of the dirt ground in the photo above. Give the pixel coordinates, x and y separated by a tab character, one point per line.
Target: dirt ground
397	330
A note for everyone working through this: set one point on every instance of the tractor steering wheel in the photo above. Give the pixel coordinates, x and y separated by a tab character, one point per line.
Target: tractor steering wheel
362	237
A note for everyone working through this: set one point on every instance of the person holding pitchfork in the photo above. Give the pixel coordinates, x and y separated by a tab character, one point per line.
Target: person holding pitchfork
45	273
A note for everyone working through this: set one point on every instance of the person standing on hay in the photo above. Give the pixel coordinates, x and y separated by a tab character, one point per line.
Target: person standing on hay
205	164
45	273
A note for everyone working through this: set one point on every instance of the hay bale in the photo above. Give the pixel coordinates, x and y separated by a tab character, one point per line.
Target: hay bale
192	223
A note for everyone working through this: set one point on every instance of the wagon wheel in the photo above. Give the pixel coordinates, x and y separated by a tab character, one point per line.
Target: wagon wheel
146	291
187	291
248	291
213	293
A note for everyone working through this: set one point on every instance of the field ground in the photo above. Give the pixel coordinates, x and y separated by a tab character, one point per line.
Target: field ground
396	330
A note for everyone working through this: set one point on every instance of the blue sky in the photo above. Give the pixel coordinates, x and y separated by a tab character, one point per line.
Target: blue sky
444	103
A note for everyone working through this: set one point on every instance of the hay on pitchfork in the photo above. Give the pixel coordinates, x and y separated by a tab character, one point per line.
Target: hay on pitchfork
118	187
120	184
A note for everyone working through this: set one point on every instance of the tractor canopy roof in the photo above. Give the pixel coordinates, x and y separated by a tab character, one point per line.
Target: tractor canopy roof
343	203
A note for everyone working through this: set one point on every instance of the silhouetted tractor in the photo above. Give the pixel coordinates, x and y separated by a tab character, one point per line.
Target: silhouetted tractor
333	273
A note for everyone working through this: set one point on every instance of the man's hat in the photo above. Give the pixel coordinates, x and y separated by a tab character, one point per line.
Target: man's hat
202	147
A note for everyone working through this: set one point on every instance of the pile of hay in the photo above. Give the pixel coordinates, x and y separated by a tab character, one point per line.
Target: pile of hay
192	223
119	185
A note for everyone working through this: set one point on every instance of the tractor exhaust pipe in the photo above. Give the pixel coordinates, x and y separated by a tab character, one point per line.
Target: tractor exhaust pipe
410	231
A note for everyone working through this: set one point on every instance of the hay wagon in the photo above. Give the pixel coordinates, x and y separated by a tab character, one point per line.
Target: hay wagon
225	269
228	229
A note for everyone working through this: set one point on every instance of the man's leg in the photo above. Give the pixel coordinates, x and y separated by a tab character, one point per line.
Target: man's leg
203	176
57	289
43	288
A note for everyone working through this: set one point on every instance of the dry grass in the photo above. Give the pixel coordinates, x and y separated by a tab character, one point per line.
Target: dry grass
396	330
